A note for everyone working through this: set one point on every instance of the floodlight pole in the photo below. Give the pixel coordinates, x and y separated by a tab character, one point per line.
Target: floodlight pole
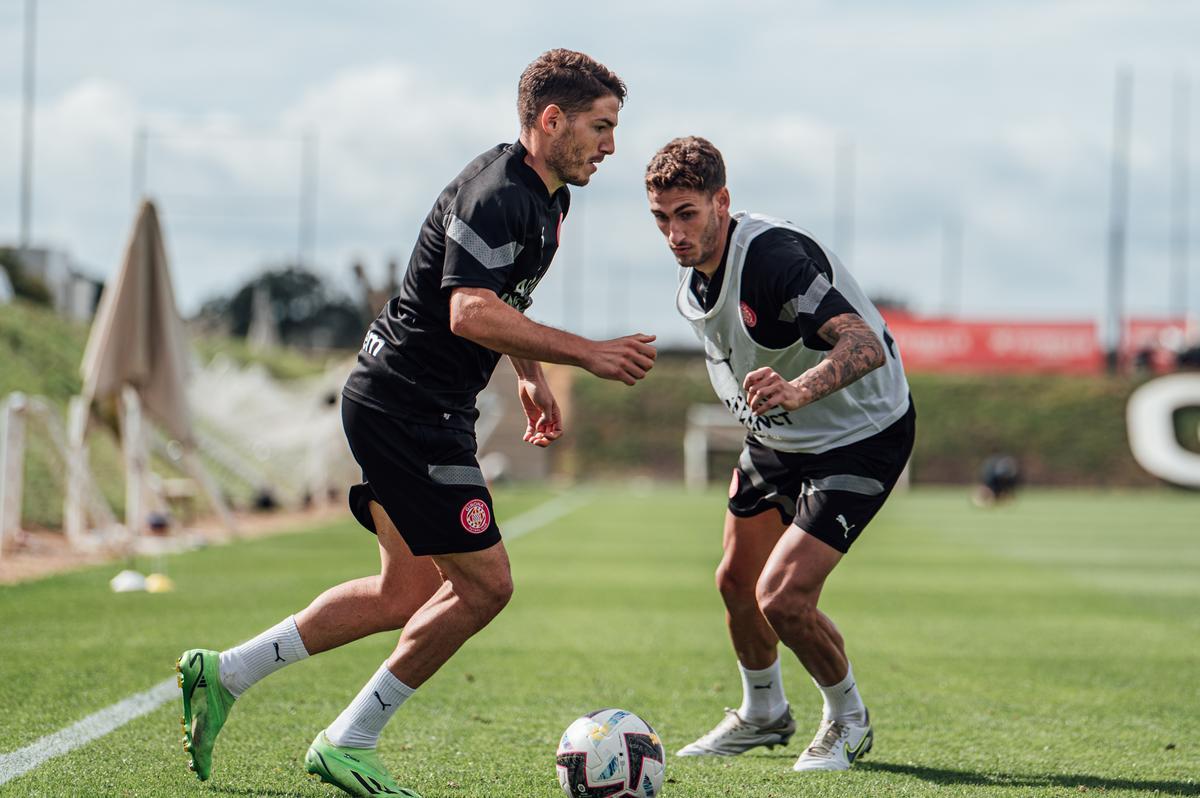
577	298
618	299
1180	229
141	143
27	104
843	199
12	463
1118	218
308	199
952	257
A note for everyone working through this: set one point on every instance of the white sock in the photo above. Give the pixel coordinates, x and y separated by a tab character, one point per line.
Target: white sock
842	701
762	693
244	665
360	723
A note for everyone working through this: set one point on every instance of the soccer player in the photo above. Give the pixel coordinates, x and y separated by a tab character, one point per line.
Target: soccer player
409	413
802	358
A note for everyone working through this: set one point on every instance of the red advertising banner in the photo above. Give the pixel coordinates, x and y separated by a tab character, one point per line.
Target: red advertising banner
956	345
1151	344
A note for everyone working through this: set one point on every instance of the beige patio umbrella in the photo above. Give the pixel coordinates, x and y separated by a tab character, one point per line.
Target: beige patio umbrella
137	353
137	338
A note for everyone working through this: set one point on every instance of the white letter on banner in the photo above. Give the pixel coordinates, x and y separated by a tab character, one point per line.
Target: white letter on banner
1149	418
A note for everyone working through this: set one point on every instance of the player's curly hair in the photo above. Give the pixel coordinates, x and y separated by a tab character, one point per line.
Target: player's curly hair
689	162
566	78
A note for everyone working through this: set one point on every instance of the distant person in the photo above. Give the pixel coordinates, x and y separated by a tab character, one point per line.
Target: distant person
1143	361
409	410
802	358
998	480
1188	359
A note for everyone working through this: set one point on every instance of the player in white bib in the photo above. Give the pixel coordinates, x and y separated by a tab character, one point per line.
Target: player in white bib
804	360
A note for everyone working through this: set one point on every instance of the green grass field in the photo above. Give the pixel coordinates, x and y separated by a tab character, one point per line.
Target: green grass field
1048	648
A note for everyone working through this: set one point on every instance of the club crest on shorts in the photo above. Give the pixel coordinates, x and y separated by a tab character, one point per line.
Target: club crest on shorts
475	516
748	315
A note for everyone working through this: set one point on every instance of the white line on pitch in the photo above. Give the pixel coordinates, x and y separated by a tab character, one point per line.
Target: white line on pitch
94	726
543	514
98	724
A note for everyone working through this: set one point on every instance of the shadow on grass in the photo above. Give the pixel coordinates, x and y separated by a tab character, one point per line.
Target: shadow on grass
1066	780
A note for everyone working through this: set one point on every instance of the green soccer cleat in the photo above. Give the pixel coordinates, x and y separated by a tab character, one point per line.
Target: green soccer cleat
356	771
206	705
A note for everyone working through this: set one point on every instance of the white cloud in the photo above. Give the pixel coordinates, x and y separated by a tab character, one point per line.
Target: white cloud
1001	115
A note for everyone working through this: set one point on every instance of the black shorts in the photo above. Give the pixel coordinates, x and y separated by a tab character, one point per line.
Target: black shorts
832	495
427	479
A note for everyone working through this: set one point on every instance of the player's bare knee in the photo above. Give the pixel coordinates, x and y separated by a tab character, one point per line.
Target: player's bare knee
488	596
736	587
500	593
787	608
795	619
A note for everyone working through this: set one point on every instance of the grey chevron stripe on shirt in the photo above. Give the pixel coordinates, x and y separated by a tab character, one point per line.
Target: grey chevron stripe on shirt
468	239
806	303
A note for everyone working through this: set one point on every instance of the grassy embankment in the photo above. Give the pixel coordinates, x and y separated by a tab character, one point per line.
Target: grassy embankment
40	355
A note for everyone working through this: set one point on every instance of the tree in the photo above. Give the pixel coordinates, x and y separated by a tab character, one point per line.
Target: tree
308	313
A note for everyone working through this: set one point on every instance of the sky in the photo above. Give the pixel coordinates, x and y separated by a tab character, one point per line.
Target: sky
995	118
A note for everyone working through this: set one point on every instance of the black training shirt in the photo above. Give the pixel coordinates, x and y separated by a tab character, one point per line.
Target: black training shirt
780	264
495	227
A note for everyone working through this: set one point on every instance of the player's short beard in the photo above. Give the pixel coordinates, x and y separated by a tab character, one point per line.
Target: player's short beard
568	159
706	247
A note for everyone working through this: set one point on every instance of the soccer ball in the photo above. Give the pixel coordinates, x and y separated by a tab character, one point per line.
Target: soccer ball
610	753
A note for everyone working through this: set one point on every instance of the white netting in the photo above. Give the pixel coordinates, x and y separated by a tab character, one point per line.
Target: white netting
285	437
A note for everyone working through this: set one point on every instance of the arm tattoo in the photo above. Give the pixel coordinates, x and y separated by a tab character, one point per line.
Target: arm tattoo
856	352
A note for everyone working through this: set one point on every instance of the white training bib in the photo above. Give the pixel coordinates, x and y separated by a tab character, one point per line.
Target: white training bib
846	416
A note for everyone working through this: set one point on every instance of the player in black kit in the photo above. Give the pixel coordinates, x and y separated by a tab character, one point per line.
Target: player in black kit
409	413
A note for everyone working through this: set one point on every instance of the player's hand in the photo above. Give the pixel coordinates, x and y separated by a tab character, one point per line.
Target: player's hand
544	425
626	359
766	390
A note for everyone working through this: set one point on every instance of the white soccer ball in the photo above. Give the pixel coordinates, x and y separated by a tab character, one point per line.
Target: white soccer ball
610	753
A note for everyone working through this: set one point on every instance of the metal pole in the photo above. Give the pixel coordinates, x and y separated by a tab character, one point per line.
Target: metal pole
1118	217
12	464
141	143
308	199
1177	301
843	199
27	123
952	266
574	320
618	300
133	441
74	512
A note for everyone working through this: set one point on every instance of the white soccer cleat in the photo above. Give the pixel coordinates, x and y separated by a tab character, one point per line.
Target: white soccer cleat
837	745
734	735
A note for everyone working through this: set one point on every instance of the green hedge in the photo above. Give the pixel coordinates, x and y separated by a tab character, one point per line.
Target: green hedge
1064	430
